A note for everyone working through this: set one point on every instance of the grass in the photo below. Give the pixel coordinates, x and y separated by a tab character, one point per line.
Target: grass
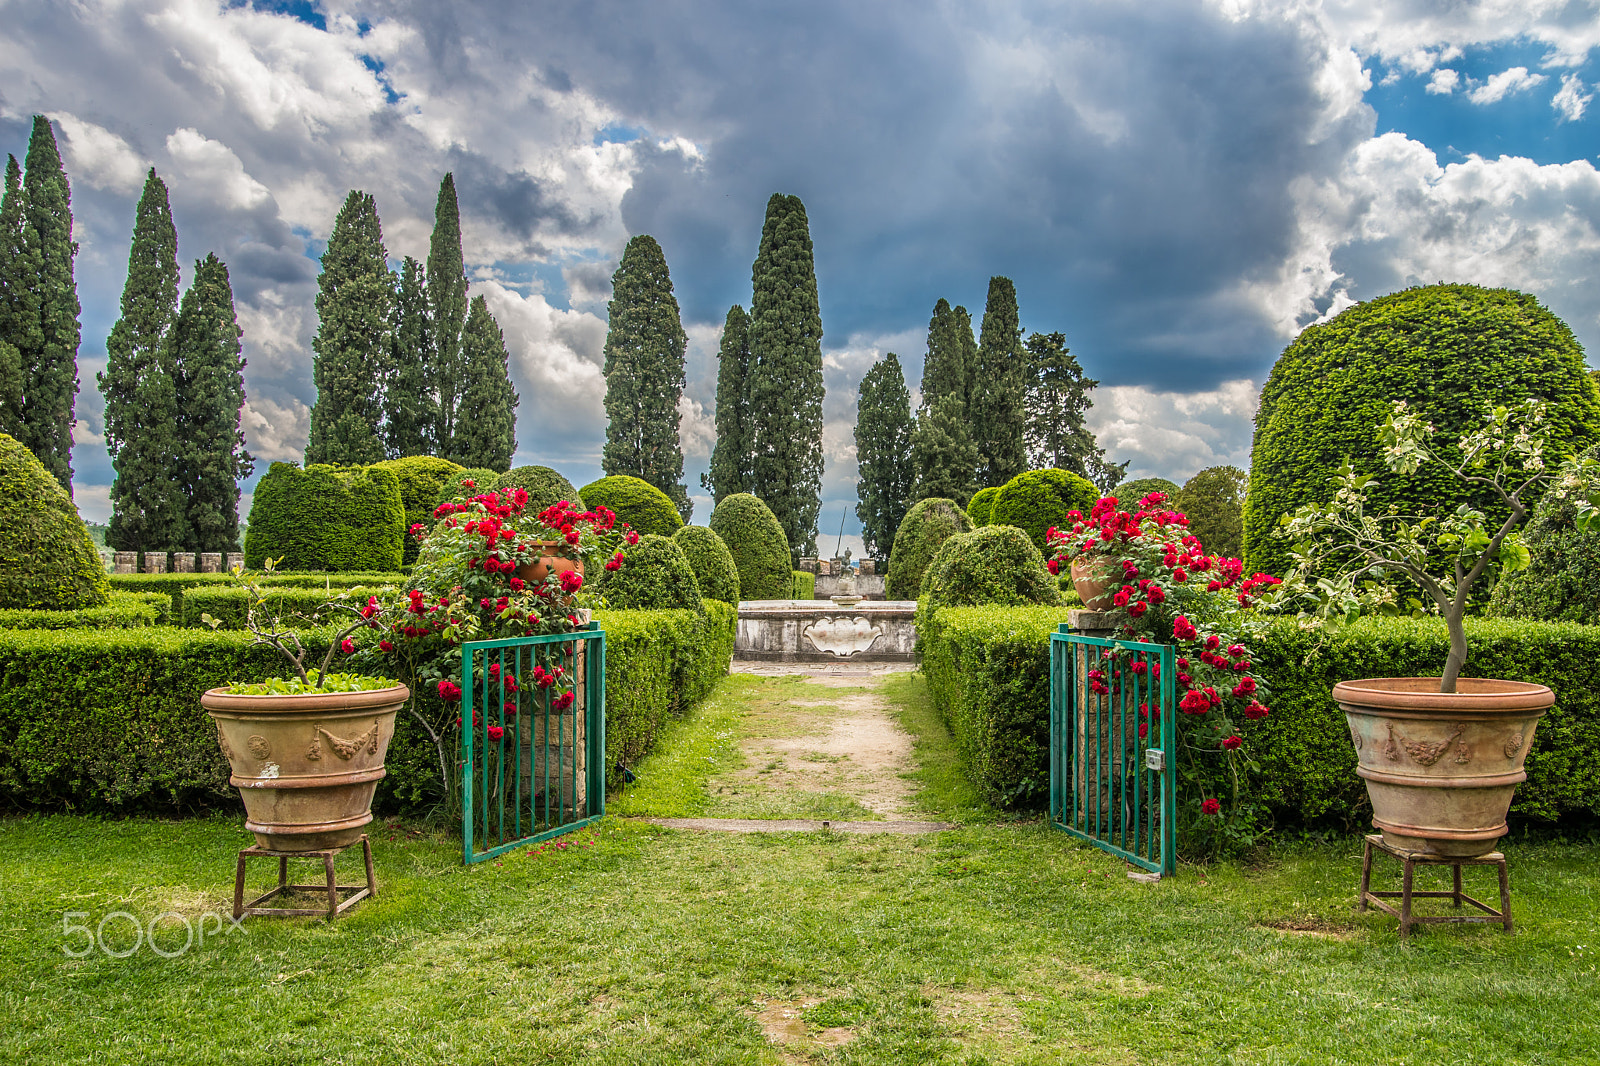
998	942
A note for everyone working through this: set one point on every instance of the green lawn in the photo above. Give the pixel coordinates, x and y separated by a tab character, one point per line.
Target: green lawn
998	942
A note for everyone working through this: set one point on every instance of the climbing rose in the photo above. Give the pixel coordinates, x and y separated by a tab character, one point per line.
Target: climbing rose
449	691
347	646
571	581
1211	806
562	702
386	645
632	538
495	732
1183	629
1232	743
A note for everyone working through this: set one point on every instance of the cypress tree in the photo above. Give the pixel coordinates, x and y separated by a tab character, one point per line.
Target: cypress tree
733	456
486	423
147	499
943	457
355	294
945	370
995	407
786	359
883	454
208	370
410	412
447	315
50	357
645	343
16	297
962	329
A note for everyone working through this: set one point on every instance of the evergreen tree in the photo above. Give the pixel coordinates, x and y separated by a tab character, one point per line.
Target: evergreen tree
50	355
16	297
147	497
995	407
943	457
410	411
968	343
645	343
733	456
447	316
208	371
1056	400
945	371
786	370
355	294
883	454
1103	473
486	421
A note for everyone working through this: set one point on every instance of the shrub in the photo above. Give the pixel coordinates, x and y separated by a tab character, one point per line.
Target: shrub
47	561
1447	350
293	606
927	525
126	610
544	487
1562	581
655	577
994	565
326	518
482	478
1038	499
171	588
1213	500
805	585
760	549
421	477
711	562
981	507
636	502
1129	493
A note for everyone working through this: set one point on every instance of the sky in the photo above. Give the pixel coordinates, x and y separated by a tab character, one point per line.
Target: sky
1178	186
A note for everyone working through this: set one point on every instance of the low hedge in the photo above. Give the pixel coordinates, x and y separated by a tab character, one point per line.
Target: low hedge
110	720
805	585
174	586
227	605
126	610
988	670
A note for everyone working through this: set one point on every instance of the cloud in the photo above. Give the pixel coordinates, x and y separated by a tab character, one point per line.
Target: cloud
1175	435
1396	29
97	156
84	433
1504	84
1570	100
1443	82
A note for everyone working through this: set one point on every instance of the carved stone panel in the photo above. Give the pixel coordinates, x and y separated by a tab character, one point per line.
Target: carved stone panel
842	636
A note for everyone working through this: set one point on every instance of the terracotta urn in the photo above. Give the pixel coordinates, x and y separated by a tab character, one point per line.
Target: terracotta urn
550	561
306	765
1095	582
1441	768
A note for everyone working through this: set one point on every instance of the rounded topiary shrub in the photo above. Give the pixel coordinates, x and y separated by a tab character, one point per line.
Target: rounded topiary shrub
543	485
636	502
1447	350
1038	499
1213	500
1129	493
1562	581
421	477
926	526
994	565
47	560
981	506
656	576
711	562
760	550
326	518
482	479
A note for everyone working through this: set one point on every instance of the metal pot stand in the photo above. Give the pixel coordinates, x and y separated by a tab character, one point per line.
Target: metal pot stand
1413	859
336	906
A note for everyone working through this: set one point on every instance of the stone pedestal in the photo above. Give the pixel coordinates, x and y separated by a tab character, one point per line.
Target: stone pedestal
155	562
868	568
868	586
808	565
821	631
211	562
235	561
183	562
124	562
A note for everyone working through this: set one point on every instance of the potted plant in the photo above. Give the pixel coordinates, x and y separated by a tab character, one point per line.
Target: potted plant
306	754
1441	756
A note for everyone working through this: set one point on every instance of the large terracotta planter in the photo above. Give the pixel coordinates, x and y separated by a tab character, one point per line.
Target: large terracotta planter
306	765
1441	767
1095	582
549	562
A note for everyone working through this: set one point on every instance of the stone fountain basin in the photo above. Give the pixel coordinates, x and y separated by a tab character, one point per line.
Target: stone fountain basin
822	631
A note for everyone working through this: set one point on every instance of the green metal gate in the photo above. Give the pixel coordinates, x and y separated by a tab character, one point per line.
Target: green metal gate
530	768
1113	746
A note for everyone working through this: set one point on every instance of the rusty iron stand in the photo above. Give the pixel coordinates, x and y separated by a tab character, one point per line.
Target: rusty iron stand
333	889
1413	859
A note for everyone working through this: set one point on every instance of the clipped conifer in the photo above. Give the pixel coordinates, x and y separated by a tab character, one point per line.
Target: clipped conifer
543	485
421	479
486	420
927	526
1129	493
47	561
712	563
1035	500
981	506
655	576
636	502
759	548
326	518
733	456
883	454
995	565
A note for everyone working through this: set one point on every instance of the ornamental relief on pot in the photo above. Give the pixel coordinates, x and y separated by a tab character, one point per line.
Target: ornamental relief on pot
222	742
1425	752
1355	737
343	747
1513	745
259	747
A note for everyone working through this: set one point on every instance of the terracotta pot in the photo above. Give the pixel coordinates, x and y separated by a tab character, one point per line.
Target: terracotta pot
549	562
1441	767
1095	583
306	765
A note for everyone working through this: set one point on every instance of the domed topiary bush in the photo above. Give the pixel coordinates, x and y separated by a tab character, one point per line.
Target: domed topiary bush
1038	499
981	507
1447	350
927	525
636	502
1213	501
1129	493
421	477
993	565
760	550
712	563
1562	581
326	518
656	576
544	487
47	561
482	479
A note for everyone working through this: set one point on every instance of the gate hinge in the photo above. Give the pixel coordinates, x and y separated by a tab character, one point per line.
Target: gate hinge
1155	759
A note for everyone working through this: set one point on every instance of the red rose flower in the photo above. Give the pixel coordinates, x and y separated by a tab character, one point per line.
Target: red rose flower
1256	711
1211	806
1183	629
1232	743
449	691
495	732
347	646
563	701
632	538
1054	566
516	584
386	645
468	483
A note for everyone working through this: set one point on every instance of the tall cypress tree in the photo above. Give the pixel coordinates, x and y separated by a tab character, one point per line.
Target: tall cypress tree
50	358
355	294
883	454
1056	401
943	457
995	407
486	422
447	315
16	297
645	343
786	360
410	412
208	370
147	498
733	456
945	370
961	328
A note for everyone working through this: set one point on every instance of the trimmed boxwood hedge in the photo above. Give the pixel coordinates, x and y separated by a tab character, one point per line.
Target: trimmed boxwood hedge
758	545
1129	493
1038	499
174	586
712	563
1562	581
482	479
544	487
927	525
47	560
227	605
994	565
981	507
805	585
126	610
655	577
636	502
326	518
421	477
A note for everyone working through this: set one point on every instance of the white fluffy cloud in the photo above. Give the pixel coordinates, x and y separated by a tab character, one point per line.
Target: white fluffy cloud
95	155
1504	84
1570	100
1175	435
1443	82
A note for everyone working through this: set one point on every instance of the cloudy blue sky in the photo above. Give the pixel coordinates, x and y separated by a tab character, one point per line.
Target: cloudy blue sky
1179	186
